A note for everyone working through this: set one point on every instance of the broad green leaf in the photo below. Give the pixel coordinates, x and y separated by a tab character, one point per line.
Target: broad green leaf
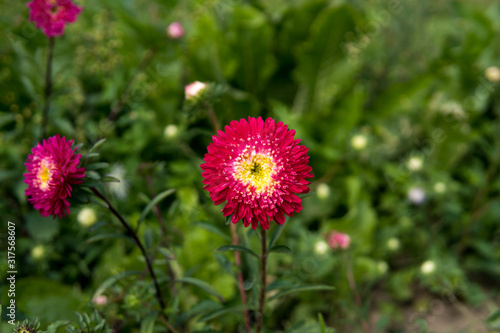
112	280
89	155
152	203
201	284
494	316
148	323
95	166
109	179
300	289
237	248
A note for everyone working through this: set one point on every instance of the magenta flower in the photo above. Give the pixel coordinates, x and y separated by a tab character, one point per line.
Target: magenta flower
52	15
175	30
52	169
258	169
338	240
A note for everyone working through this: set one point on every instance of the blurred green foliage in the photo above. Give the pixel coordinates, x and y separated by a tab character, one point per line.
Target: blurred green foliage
393	99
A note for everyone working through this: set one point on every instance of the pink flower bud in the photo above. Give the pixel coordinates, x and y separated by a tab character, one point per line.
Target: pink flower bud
338	240
100	300
193	89
175	30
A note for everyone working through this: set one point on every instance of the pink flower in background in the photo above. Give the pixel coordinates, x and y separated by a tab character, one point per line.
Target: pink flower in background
52	169
193	90
258	168
100	300
338	240
52	15
175	30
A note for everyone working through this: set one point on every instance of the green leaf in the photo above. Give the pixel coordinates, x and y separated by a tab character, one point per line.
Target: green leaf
95	166
112	280
106	236
152	203
89	155
213	229
280	249
109	179
494	316
301	289
167	253
219	312
237	248
97	145
6	118
276	234
52	328
148	323
203	285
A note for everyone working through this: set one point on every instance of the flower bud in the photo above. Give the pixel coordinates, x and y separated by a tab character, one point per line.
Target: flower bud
321	247
492	74
175	30
86	217
171	131
323	191
415	163
338	240
194	89
428	267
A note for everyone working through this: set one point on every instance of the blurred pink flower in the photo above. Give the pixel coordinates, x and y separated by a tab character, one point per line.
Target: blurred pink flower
52	15
338	240
100	300
193	89
175	30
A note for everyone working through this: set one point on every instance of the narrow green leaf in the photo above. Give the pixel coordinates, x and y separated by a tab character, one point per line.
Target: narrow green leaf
97	145
89	155
248	284
52	328
109	179
112	280
494	316
237	248
219	312
148	323
301	289
167	253
228	219
322	323
95	166
214	230
106	236
152	203
203	285
276	234
280	249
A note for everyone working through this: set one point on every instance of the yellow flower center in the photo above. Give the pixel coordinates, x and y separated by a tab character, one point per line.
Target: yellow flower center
44	174
255	170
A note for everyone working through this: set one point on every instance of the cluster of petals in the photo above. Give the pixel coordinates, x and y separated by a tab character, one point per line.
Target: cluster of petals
175	30
52	15
257	168
52	169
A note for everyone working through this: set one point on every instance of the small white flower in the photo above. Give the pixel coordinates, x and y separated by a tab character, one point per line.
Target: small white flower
415	163
492	74
86	217
439	187
118	189
321	247
416	195
171	131
323	191
359	142
393	244
38	251
382	267
428	267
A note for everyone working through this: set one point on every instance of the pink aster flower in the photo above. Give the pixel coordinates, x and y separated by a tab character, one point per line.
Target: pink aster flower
338	240
52	15
175	30
194	89
52	169
258	169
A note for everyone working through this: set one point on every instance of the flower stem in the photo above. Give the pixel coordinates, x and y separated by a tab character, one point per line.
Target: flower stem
262	298
237	259
354	290
48	88
131	232
125	94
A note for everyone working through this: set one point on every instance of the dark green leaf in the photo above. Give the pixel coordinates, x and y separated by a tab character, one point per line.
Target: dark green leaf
112	280
106	236
219	312
213	229
237	248
167	253
148	323
203	285
152	203
95	166
280	249
300	289
97	145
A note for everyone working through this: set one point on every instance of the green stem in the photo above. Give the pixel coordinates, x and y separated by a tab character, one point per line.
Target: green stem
262	298
48	88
